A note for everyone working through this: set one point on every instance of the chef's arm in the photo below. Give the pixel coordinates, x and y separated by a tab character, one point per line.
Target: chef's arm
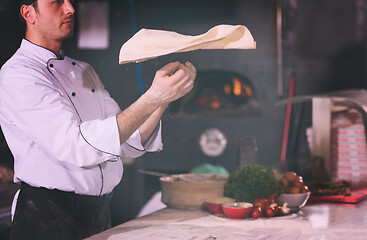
170	83
147	128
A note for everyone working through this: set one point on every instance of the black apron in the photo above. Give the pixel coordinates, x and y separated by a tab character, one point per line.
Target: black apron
52	214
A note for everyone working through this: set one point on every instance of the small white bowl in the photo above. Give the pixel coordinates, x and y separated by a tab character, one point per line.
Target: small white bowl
295	201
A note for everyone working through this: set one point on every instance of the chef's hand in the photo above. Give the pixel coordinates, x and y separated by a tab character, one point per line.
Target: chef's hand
172	82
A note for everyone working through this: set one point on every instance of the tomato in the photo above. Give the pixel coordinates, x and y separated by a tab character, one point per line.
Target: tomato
261	202
272	198
294	190
270	211
256	212
298	182
305	189
290	176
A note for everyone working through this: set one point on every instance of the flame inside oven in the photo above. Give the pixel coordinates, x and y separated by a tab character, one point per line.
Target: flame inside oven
218	92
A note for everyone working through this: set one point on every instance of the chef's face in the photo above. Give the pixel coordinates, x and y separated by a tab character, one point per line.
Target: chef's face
54	19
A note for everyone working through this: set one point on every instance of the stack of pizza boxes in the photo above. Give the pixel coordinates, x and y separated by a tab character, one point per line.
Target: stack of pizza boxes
348	148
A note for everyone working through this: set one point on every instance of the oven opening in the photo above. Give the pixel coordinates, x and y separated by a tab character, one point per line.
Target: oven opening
218	93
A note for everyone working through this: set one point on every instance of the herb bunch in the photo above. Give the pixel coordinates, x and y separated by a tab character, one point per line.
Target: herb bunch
251	182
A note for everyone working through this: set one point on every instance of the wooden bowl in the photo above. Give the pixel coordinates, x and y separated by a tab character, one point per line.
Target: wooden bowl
190	191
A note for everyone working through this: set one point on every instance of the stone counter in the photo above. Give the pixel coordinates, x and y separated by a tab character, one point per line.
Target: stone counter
317	220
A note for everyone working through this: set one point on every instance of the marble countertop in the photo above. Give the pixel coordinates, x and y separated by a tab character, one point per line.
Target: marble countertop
317	220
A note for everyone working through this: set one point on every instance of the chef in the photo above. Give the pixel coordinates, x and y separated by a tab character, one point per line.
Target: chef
65	131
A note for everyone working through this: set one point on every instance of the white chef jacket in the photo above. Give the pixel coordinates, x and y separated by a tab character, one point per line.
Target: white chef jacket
60	124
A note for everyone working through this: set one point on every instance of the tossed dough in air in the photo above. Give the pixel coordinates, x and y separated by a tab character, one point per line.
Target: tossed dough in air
150	43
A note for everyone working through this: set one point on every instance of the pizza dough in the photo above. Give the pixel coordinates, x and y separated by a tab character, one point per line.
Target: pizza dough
149	43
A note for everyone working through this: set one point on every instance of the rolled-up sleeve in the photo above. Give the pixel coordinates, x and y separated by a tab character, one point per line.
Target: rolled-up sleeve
153	144
103	135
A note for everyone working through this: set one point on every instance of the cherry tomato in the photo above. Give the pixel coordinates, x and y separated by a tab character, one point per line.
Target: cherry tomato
270	211
256	212
305	189
298	182
272	198
290	176
261	202
294	190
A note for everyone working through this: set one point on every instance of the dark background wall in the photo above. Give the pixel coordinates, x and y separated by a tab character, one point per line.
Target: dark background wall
323	47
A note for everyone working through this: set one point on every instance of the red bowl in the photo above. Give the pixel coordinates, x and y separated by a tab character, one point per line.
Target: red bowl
237	210
215	205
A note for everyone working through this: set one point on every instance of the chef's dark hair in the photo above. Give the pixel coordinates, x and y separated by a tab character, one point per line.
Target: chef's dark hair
26	2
